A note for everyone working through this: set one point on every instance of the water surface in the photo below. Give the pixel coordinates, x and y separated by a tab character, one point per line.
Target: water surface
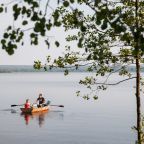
105	121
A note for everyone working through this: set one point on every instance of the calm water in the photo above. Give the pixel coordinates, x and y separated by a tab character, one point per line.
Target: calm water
105	121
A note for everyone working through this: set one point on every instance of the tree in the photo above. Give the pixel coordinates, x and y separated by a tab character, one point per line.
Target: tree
100	27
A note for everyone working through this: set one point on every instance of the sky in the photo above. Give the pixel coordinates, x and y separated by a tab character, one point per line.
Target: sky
27	54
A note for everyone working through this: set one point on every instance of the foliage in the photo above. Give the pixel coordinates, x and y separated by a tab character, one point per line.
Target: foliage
109	36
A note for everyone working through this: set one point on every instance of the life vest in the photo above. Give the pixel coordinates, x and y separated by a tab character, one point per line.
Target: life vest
27	105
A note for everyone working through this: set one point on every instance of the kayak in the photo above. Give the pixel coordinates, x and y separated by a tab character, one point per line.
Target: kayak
34	109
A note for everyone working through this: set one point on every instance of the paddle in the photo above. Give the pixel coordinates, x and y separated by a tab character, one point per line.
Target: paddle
48	103
16	105
58	105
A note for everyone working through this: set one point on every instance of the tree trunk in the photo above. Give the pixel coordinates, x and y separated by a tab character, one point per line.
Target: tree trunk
137	50
138	102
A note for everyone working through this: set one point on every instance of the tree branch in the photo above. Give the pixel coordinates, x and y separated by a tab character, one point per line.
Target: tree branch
46	7
72	66
116	82
89	5
115	72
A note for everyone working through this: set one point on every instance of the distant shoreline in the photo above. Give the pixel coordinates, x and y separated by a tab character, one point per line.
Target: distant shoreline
29	68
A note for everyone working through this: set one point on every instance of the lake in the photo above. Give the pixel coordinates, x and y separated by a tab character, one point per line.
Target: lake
108	120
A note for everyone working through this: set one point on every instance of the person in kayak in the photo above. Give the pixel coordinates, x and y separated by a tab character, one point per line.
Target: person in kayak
40	100
27	104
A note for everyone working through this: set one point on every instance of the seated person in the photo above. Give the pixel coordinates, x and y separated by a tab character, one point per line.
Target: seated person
27	104
40	100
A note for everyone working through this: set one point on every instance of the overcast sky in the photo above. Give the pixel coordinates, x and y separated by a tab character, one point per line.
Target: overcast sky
27	54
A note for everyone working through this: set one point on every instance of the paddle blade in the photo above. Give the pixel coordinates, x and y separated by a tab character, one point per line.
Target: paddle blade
61	105
13	105
16	105
58	105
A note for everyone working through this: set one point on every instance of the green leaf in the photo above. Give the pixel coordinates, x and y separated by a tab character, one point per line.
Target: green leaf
48	26
13	36
3	41
56	15
35	17
78	93
66	3
58	24
29	12
32	35
9	28
95	97
57	43
6	35
98	22
35	42
24	10
45	68
10	51
104	25
28	1
37	65
24	22
83	28
35	4
66	72
43	20
80	43
89	57
37	27
1	9
15	7
72	1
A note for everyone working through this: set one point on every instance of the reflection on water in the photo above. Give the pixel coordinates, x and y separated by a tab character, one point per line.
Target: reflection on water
7	110
40	116
13	111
